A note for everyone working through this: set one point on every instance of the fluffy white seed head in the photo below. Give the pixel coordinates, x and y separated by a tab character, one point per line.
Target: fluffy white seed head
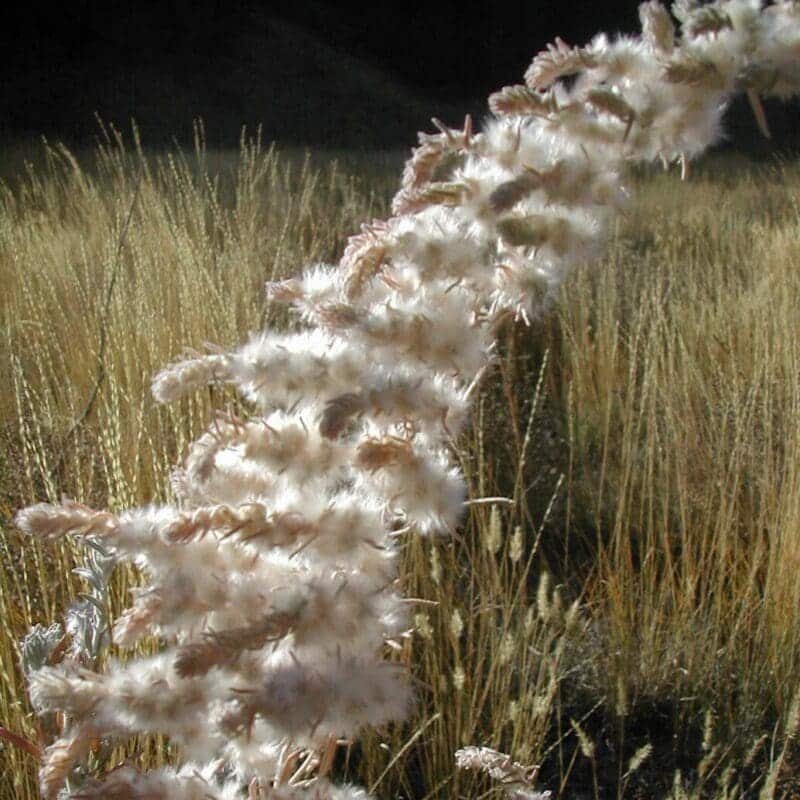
272	583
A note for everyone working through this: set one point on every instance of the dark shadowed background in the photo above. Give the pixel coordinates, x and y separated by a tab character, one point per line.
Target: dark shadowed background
308	72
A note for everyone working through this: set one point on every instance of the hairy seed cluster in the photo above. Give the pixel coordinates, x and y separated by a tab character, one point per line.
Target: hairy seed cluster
273	577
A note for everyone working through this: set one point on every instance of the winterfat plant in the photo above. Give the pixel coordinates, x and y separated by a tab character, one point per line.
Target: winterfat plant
272	577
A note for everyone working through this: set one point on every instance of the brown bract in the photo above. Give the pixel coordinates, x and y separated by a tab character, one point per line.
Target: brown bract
558	61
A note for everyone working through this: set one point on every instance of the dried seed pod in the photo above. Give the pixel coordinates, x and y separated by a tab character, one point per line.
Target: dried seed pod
608	102
434	194
247	521
221	648
373	454
705	21
424	159
657	28
508	194
556	62
535	230
47	521
497	765
364	256
338	315
692	72
338	413
434	151
137	620
187	376
523	100
286	291
60	757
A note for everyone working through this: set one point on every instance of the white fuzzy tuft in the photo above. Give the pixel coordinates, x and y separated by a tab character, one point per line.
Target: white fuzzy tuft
273	580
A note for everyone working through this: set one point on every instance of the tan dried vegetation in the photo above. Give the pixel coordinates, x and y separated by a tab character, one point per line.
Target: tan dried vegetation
630	621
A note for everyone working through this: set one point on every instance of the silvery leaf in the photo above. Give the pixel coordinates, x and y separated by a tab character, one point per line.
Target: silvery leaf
37	647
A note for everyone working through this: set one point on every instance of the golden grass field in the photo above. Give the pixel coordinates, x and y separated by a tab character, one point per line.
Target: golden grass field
631	622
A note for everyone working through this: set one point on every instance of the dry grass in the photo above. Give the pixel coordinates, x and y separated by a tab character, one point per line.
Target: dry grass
641	591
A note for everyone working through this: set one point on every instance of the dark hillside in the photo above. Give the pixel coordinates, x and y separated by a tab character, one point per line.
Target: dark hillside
309	72
256	70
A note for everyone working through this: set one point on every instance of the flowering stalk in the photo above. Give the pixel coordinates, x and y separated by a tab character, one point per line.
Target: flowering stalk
273	577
